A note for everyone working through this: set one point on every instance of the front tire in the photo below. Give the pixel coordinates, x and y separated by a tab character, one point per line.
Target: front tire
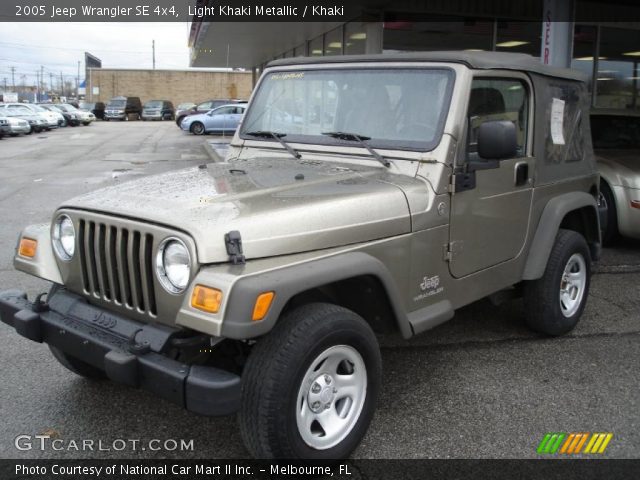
310	386
610	233
197	128
555	302
77	366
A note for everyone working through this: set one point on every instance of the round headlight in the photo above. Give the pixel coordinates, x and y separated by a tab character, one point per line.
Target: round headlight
173	265
64	238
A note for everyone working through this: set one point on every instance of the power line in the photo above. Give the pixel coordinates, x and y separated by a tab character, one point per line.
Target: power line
39	47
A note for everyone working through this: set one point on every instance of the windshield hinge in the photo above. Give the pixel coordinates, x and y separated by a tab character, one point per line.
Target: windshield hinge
233	242
451	248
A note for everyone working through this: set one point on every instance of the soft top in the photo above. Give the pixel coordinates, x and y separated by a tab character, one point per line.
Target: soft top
477	60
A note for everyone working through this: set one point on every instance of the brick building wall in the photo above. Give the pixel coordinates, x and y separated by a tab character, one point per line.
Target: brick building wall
179	86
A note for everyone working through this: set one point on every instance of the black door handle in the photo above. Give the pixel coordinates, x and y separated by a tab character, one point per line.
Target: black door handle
522	174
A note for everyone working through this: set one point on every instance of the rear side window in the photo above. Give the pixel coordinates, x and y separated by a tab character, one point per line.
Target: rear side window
564	138
495	99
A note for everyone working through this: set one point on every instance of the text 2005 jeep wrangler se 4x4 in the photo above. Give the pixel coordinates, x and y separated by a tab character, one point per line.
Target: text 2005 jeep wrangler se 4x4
360	195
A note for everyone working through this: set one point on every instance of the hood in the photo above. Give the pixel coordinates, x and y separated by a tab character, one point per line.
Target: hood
279	205
628	159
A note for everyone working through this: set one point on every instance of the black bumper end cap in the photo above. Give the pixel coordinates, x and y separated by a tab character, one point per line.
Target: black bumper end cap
211	391
122	367
27	323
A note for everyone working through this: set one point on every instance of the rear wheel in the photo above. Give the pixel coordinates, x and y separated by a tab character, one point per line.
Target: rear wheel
197	128
555	302
77	366
310	387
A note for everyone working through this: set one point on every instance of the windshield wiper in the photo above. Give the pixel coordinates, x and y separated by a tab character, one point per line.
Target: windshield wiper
278	137
361	140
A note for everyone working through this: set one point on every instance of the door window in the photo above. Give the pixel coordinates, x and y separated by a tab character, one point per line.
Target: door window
494	99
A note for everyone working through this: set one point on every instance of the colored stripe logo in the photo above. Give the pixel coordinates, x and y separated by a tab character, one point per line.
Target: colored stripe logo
573	443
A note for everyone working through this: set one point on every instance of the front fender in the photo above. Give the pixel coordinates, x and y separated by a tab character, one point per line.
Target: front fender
289	281
44	264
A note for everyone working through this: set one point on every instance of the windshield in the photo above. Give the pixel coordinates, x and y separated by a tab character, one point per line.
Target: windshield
87	106
185	106
395	108
66	108
615	131
153	104
117	104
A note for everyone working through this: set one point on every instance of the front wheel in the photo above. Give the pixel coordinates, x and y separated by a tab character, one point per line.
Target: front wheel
197	128
555	302
310	386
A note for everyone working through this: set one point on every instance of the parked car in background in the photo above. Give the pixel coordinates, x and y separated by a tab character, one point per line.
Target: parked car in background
182	110
4	127
158	110
70	113
52	118
96	108
50	107
224	119
205	107
36	121
123	108
616	142
15	125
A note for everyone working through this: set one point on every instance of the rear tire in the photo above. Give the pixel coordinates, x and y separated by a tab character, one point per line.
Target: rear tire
309	388
554	303
77	366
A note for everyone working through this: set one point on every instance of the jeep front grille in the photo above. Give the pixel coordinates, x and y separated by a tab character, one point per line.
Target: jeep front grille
117	265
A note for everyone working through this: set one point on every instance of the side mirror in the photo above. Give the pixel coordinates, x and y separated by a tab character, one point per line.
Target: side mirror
497	140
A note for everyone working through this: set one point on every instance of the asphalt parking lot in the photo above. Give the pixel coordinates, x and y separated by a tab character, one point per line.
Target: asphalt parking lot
480	386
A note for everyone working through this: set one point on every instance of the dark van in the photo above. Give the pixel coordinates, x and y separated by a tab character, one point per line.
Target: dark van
123	108
158	110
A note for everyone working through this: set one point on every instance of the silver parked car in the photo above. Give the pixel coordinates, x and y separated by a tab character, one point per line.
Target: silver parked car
37	122
616	142
224	119
54	120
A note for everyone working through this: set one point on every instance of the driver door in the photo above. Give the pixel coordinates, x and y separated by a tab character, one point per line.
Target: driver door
490	212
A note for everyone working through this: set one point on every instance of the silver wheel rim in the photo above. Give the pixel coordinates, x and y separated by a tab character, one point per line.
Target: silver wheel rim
572	285
331	397
197	129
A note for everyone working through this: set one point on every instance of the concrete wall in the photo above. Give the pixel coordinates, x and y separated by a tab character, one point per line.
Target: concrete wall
175	85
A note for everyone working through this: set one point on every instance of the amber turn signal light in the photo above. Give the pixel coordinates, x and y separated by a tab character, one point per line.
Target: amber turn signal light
206	299
263	302
28	247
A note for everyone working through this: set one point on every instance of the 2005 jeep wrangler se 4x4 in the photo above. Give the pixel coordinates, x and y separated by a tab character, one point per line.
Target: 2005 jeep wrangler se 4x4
361	195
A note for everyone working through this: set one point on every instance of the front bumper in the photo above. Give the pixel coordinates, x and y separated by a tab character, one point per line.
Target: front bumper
627	200
129	352
115	116
13	129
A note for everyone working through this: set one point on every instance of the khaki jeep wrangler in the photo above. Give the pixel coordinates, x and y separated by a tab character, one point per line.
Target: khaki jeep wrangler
361	195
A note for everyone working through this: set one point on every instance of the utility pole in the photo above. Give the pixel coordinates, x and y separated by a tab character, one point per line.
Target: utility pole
61	85
41	83
51	82
13	77
78	82
153	49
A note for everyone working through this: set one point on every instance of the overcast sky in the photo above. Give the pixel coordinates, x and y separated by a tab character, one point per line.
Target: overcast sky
59	46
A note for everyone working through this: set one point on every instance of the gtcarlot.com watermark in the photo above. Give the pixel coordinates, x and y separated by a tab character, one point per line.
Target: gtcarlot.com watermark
49	443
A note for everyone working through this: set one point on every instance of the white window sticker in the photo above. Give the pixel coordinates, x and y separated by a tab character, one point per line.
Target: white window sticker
557	118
